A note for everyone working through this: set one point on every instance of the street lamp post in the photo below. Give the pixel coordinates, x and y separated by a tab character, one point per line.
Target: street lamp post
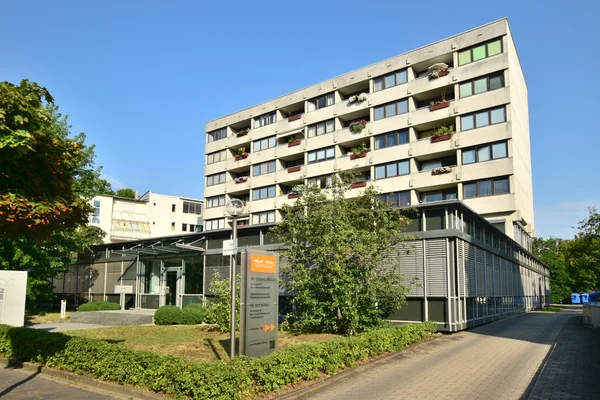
235	208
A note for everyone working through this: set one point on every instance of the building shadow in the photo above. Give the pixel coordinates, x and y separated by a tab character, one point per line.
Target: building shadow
21	382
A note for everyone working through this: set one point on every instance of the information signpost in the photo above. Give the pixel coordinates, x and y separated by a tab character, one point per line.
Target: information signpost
259	303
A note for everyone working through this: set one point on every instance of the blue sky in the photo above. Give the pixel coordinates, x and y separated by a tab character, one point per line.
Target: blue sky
141	78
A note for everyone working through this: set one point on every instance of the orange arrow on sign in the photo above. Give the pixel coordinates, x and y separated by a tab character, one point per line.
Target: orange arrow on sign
268	328
272	326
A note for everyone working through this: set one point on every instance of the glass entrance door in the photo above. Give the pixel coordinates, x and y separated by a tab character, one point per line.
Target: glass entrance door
172	287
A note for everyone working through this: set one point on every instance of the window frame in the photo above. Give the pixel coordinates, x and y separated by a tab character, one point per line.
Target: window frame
385	165
396	195
488	79
493	187
316	152
269	140
486	44
211	136
316	128
398	134
265	119
382	78
209	202
491	147
267	213
489	117
314	102
444	193
210	158
258	190
211	177
208	224
384	106
268	165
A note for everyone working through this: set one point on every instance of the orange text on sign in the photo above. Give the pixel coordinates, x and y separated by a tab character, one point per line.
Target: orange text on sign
263	263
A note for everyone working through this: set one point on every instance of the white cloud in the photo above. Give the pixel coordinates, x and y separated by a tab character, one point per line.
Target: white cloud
559	220
114	182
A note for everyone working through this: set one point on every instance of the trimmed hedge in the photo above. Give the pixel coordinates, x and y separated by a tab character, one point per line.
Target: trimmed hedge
168	315
193	314
98	306
240	378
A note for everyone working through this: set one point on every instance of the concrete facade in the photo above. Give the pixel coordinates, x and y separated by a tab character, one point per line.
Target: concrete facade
151	215
490	88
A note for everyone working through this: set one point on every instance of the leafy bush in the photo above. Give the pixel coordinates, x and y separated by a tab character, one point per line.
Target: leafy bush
240	378
168	315
98	306
193	314
219	307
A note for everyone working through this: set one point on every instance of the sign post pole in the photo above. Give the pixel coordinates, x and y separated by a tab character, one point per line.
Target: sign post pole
233	294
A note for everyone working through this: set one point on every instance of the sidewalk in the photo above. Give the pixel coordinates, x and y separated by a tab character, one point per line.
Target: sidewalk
572	368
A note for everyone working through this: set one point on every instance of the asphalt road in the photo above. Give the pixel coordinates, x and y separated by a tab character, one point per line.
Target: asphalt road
530	356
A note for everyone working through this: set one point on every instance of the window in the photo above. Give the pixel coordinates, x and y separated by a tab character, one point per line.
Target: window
95	220
216	157
192	208
217	201
214	224
391	109
96	212
486	187
184	227
263	193
392	169
480	52
265	119
440	195
481	85
321	102
397	199
483	118
194	228
391	139
321	155
217	135
486	152
173	207
215	179
390	80
267	217
263	168
321	128
322	181
294	163
172	226
265	143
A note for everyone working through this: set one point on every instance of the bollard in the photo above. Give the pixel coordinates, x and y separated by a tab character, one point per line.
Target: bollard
63	309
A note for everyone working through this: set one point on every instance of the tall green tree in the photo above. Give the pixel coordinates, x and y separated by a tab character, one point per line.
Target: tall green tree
126	192
552	252
333	258
583	254
47	177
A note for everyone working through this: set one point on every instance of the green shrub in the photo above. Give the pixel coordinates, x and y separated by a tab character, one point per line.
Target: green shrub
193	314
240	378
98	306
168	315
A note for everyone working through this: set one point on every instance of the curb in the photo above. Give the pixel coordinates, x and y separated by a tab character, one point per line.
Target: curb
83	381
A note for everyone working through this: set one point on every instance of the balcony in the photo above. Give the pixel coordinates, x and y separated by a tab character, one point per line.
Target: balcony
429	178
492	204
486	169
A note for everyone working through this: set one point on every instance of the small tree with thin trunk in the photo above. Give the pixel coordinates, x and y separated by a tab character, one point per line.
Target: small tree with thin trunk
334	264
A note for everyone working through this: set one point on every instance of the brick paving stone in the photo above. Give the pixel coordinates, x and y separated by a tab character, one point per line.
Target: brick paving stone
500	360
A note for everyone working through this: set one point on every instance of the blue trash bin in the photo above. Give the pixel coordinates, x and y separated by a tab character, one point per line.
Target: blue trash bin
575	298
585	298
593	297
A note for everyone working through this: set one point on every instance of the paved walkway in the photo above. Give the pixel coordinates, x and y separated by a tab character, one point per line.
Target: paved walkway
534	355
64	326
17	384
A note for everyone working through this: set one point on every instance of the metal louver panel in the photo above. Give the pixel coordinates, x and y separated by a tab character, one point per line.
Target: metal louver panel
480	268
410	257
489	273
470	269
437	283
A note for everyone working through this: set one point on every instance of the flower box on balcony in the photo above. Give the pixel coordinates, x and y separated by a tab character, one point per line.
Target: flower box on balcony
294	117
441	170
293	195
239	157
355	156
294	169
359	184
358	126
242	132
438	74
440	138
294	143
437	106
241	179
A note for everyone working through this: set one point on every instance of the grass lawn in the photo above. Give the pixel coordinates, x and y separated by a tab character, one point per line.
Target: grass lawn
40	317
194	342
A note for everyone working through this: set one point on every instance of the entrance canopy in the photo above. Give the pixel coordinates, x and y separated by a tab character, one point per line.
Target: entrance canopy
163	247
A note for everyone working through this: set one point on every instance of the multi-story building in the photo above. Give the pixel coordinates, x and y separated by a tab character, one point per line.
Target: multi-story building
150	215
446	121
